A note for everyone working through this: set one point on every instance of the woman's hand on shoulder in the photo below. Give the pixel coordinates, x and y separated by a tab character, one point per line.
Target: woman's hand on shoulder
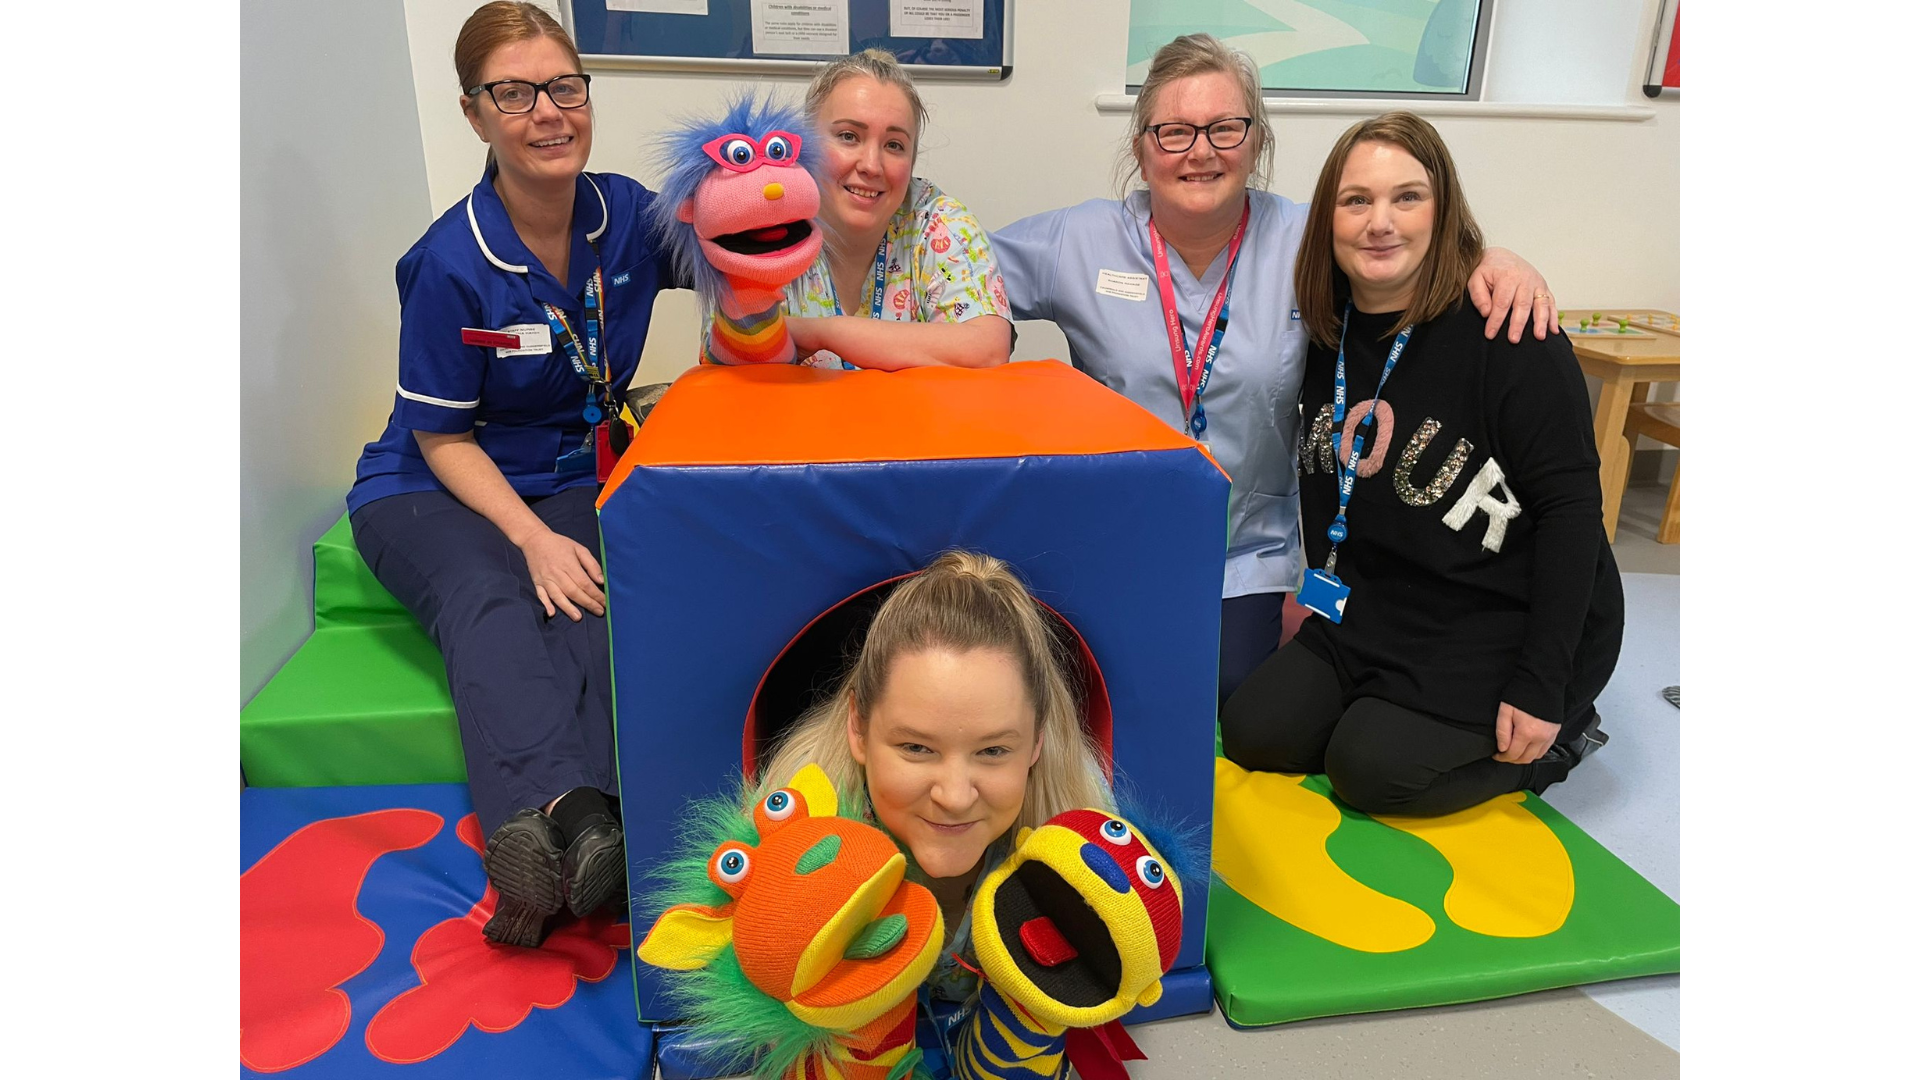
1503	280
1520	736
565	574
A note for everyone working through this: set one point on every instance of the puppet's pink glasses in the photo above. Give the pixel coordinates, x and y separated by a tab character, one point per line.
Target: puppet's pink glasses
744	153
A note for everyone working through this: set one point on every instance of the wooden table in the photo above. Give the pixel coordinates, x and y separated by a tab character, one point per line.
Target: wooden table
1625	365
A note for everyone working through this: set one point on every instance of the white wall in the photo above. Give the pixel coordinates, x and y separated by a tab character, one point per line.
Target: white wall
334	193
1594	204
333	189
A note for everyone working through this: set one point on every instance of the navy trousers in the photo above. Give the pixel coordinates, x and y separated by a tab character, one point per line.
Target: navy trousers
534	695
1249	633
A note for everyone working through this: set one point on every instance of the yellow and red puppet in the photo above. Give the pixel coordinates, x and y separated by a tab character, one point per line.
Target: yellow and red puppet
737	210
1075	928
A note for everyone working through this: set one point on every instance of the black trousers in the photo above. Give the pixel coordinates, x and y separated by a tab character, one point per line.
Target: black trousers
534	695
1249	632
1381	758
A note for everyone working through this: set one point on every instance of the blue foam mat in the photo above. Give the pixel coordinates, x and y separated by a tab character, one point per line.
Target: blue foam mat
594	1035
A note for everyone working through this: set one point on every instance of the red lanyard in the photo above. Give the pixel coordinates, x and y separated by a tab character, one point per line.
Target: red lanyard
1184	376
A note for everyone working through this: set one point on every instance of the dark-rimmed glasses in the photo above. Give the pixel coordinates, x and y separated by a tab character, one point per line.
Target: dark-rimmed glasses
1178	138
516	96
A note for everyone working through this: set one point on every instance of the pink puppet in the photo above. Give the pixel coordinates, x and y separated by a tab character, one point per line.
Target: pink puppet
736	211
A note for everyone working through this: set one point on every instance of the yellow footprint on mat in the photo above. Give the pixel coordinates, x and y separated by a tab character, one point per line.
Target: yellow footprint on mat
1511	875
1270	846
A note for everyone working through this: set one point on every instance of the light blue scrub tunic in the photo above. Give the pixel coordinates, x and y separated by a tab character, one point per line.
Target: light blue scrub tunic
1089	269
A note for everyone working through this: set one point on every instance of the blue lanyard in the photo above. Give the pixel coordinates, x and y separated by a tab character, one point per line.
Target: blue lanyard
1337	531
879	289
587	367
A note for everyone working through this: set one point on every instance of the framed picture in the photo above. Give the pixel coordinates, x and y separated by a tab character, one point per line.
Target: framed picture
1330	48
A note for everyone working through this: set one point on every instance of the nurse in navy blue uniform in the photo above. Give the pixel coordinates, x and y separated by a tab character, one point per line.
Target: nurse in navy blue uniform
522	314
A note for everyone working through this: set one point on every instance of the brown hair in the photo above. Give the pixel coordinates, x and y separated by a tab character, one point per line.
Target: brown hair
962	601
502	23
1183	57
879	65
1320	286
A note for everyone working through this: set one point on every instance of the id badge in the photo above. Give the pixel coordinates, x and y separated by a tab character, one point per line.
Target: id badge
581	459
605	455
1324	595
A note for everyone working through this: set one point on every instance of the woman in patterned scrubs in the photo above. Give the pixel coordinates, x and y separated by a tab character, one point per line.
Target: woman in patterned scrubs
906	277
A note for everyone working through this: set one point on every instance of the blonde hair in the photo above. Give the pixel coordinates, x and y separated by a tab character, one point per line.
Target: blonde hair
879	65
962	601
1184	57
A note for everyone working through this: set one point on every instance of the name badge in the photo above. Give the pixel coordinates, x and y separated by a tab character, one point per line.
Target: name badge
1124	286
536	339
1324	594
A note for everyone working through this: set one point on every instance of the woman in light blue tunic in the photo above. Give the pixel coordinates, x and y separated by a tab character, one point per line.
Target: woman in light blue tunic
1199	249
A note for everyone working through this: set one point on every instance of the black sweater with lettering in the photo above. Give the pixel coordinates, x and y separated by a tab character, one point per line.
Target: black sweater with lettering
1479	569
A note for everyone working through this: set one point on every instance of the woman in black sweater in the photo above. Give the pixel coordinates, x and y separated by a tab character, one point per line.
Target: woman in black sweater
1467	606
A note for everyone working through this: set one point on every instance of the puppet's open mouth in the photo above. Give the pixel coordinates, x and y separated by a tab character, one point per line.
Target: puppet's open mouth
767	240
1068	951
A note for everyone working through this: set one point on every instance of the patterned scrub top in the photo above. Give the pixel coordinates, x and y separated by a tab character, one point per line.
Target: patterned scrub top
940	268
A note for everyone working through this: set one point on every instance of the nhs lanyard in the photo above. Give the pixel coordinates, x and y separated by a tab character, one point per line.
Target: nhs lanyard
1192	384
879	291
587	366
1337	531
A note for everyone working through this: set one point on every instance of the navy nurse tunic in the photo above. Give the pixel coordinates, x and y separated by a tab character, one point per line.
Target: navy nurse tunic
532	693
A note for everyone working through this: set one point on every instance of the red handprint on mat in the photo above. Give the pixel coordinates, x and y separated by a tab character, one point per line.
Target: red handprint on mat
467	980
301	935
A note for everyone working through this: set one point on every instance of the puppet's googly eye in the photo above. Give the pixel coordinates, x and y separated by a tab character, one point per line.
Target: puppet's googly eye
778	150
732	866
1149	871
738	151
1116	832
780	805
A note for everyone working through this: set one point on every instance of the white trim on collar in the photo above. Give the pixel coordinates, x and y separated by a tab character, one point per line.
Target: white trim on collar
474	223
595	234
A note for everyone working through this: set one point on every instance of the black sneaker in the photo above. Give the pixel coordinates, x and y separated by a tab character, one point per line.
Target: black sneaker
595	865
1553	766
523	862
1588	741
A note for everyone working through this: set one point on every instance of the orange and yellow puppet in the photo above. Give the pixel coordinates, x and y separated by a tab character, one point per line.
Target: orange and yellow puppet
802	959
809	966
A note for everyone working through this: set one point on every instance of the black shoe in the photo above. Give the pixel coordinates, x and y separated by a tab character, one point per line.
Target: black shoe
595	865
1553	766
1588	741
524	863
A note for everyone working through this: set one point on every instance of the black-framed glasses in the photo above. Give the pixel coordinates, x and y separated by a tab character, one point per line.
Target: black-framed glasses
1178	138
516	96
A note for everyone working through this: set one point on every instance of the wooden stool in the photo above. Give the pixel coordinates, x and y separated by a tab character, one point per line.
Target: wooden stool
1661	423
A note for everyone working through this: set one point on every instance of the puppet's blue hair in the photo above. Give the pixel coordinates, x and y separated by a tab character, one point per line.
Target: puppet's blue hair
1181	840
683	165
